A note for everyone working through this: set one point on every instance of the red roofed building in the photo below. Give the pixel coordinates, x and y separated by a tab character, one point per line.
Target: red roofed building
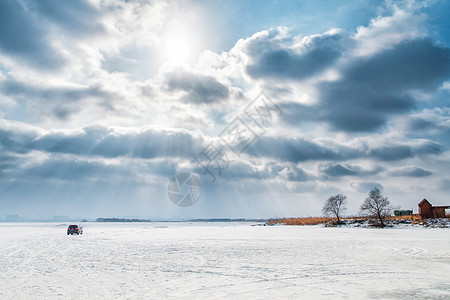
426	210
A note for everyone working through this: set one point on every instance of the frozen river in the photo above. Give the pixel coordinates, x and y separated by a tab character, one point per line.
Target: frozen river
222	260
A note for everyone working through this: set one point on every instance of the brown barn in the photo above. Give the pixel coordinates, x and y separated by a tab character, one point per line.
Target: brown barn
426	210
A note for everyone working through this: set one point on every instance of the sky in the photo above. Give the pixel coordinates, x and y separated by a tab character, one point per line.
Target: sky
273	105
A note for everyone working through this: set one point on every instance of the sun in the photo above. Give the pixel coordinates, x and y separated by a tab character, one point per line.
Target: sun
179	46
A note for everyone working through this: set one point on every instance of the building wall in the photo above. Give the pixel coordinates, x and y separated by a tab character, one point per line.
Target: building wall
438	212
425	210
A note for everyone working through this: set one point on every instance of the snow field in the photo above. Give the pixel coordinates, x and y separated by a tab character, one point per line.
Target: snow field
222	260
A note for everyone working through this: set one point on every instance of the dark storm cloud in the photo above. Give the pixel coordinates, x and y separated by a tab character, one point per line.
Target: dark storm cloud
26	29
410	172
317	55
199	88
374	88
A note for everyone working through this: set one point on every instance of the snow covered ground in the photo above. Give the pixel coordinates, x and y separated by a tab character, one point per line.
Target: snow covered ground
222	260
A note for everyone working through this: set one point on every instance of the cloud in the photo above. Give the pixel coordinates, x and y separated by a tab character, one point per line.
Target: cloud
58	101
22	37
295	149
392	152
199	88
28	30
112	142
399	151
17	137
338	170
385	32
34	167
286	172
313	55
362	90
298	149
7	163
74	169
373	89
422	124
103	141
362	108
414	65
410	171
16	88
430	121
79	18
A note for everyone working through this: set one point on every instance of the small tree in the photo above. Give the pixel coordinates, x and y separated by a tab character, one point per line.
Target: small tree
376	205
335	205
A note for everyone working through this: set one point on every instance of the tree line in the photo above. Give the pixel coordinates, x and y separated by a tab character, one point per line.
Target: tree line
375	205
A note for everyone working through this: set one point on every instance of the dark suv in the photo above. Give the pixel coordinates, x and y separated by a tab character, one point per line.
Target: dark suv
72	229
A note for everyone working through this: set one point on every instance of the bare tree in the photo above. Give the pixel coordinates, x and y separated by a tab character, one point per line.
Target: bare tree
376	205
335	205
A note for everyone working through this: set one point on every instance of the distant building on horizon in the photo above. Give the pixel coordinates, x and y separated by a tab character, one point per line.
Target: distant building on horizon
403	213
426	210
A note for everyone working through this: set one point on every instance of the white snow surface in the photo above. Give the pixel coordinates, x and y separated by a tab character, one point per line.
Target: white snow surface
222	260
